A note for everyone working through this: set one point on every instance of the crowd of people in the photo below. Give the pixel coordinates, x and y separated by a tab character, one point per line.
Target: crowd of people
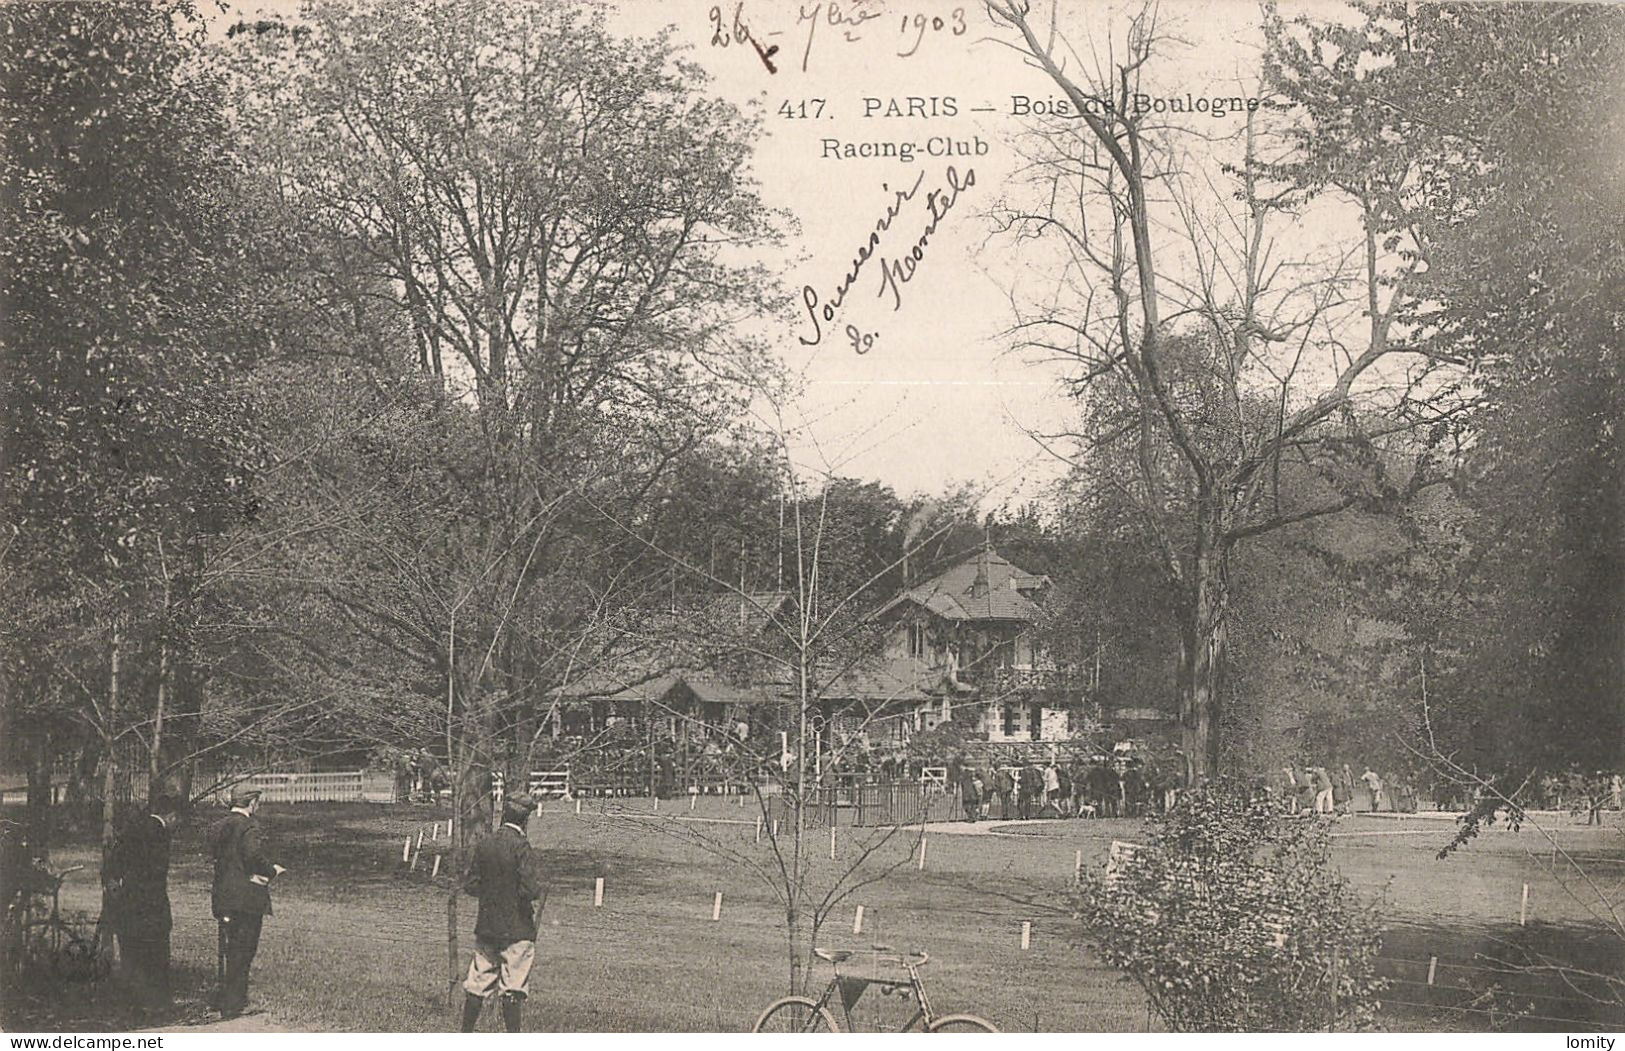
1115	785
1305	789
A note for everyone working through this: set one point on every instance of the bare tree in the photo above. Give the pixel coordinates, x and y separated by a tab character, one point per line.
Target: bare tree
1209	356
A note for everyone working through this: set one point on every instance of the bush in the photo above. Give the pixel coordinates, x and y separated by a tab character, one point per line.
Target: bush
1233	918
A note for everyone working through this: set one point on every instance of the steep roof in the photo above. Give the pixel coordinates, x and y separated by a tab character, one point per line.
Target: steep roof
884	680
983	586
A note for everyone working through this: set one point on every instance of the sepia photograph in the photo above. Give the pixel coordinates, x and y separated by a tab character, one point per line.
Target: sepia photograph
811	516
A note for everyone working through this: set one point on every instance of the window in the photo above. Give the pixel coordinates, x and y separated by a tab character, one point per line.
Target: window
916	640
1009	712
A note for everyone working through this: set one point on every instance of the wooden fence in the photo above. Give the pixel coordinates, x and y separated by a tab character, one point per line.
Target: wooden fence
346	786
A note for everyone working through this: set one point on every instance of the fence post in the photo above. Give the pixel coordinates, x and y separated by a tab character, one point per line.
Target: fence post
598	892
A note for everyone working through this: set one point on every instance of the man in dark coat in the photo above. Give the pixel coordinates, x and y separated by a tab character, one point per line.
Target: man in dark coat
1031	789
241	895
503	876
138	874
970	793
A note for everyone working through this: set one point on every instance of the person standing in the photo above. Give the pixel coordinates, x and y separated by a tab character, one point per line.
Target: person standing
502	876
1052	787
1373	786
138	878
970	792
1002	786
241	896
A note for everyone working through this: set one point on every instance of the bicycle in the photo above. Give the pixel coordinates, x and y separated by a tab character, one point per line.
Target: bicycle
56	944
802	1014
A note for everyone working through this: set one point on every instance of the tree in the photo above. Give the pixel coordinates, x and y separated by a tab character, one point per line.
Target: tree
1206	360
1501	107
129	310
557	214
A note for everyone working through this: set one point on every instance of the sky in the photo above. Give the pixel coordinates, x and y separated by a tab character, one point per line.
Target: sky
938	398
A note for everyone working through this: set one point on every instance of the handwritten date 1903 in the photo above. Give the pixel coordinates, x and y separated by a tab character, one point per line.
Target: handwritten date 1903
850	18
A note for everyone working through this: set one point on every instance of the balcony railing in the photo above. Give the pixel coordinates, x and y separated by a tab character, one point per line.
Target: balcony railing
1009	680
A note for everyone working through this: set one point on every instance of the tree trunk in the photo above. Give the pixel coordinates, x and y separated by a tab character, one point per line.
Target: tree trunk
155	754
1203	656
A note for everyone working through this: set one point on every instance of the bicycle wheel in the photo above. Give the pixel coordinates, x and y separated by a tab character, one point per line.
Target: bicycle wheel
795	1014
961	1024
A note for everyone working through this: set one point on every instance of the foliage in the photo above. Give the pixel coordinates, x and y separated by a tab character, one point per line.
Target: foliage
1233	918
1496	112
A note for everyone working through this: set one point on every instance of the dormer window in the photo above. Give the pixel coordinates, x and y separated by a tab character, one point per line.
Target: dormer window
916	640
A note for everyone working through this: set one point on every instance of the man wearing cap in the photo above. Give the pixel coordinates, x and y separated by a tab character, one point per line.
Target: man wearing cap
503	876
242	894
138	878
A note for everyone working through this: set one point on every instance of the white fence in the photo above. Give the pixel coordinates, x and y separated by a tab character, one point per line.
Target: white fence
347	786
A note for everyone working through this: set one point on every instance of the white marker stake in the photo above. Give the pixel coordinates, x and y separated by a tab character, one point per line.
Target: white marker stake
775	828
1523	907
1077	869
1026	934
1433	968
832	842
857	921
598	892
434	830
922	853
657	804
406	850
420	839
716	907
758	828
436	873
578	806
741	801
691	798
414	861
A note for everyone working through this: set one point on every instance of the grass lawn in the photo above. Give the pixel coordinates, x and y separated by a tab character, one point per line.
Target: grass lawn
358	944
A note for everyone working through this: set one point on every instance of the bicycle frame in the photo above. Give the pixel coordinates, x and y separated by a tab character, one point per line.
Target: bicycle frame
846	990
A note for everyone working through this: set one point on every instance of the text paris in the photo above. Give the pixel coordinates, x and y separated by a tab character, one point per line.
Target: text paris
895	272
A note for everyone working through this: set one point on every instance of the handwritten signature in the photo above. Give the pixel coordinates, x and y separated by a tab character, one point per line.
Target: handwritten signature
897	270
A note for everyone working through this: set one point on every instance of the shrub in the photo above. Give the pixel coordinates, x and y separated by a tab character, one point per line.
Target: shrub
1233	918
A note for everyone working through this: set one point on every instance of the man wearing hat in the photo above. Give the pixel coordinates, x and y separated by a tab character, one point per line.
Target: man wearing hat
503	876
138	877
242	894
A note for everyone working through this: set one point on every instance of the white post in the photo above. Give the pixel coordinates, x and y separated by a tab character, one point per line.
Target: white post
692	795
775	828
406	850
1433	967
436	873
578	806
598	892
1026	934
758	828
857	921
657	804
1077	869
832	842
1523	907
434	830
420	839
716	907
922	853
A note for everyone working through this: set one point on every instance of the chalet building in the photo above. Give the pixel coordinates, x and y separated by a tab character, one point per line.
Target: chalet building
960	646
